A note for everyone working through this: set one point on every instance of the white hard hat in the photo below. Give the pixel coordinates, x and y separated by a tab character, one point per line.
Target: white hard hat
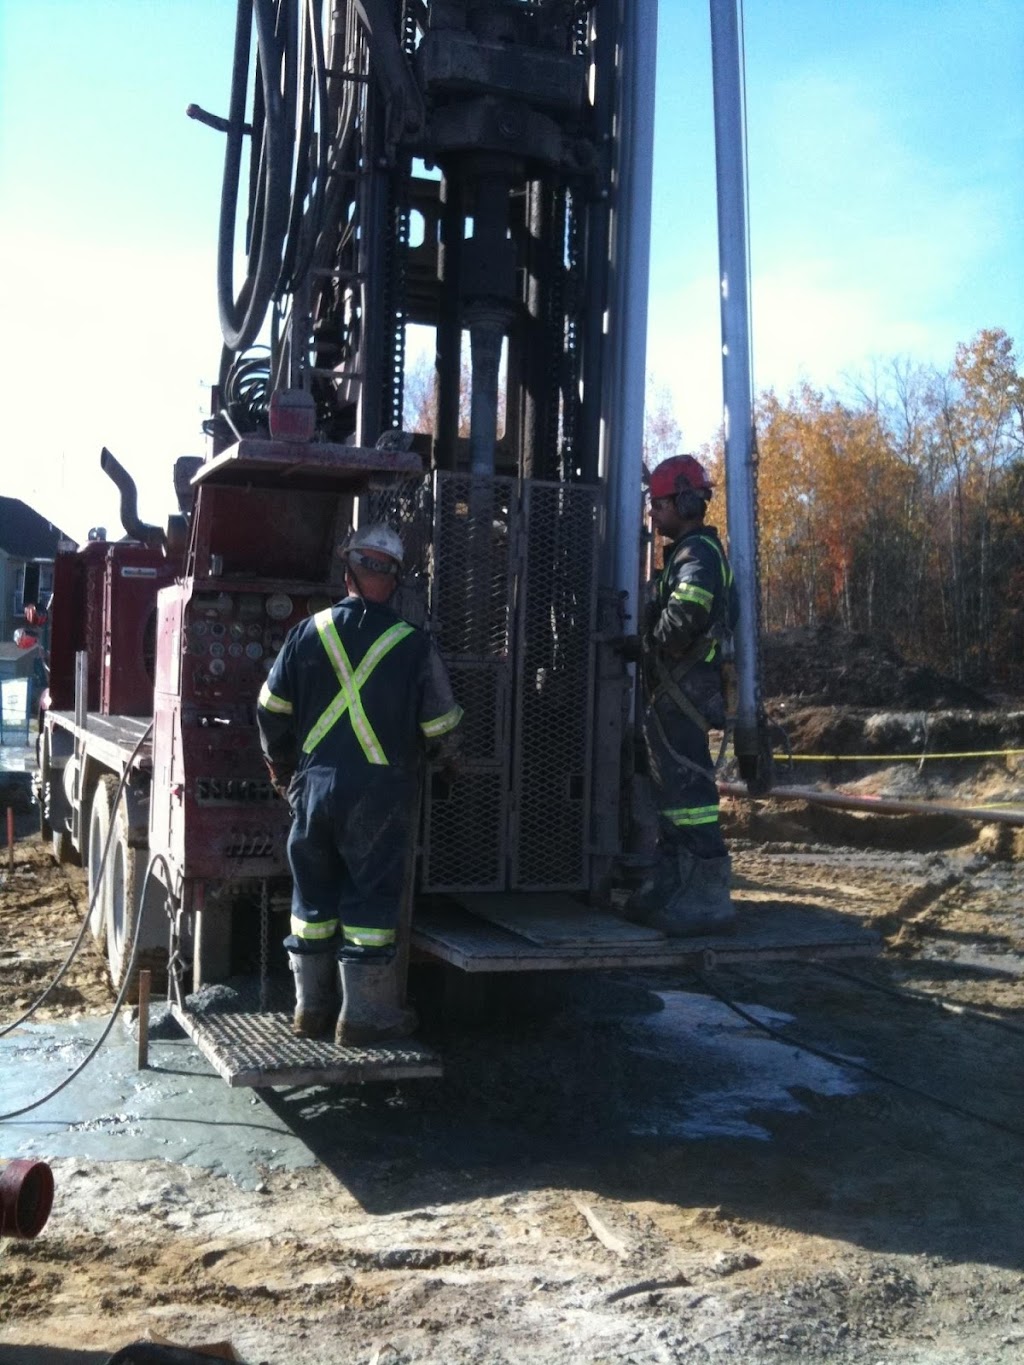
374	540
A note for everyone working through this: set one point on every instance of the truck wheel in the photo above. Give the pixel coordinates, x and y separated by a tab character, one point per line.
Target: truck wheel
100	815
127	918
64	850
43	781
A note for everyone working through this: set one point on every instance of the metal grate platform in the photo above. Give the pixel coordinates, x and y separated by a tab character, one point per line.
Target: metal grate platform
253	1049
452	934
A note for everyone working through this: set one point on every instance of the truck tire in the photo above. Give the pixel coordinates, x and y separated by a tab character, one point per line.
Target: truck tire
52	815
42	787
101	814
64	850
126	917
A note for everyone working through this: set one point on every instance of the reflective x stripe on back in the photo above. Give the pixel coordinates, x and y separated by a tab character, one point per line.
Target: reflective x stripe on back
351	682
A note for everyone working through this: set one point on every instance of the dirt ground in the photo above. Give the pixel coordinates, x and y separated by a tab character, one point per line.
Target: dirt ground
513	1211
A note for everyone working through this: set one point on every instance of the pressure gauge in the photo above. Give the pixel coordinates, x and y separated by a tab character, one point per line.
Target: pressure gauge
279	606
217	667
254	650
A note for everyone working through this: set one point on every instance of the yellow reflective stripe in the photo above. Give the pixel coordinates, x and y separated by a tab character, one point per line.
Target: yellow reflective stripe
726	570
351	683
311	932
690	592
441	724
271	703
369	938
692	815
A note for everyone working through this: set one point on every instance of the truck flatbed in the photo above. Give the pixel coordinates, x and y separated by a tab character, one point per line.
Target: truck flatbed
110	739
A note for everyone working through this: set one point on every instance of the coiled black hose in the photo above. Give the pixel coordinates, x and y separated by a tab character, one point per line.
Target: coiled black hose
289	158
270	178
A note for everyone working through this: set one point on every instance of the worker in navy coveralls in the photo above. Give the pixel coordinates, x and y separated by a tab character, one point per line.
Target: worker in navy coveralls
353	698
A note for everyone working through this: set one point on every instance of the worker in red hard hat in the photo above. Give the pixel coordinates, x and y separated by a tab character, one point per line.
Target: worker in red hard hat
354	696
687	625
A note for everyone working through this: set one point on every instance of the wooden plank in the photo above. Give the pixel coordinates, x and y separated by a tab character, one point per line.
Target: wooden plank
555	919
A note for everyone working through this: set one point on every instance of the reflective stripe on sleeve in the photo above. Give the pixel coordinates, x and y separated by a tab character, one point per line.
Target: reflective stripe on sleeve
690	592
441	724
269	702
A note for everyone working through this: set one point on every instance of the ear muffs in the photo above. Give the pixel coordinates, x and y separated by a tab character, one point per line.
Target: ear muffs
690	503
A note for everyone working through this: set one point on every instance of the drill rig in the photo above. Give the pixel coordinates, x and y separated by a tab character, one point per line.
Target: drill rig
476	173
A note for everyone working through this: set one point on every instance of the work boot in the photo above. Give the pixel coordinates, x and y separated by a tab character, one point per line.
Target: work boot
371	1011
699	905
654	891
315	1000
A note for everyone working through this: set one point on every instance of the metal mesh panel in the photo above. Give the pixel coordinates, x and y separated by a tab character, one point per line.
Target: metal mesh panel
470	602
465	826
464	835
553	706
406	504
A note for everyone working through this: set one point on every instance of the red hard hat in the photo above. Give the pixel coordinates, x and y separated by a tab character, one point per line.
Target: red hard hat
677	474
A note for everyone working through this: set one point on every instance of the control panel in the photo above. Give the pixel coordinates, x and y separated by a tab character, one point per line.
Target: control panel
231	639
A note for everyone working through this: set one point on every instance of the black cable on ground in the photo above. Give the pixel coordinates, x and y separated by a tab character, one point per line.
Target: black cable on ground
75	947
917	997
125	984
839	1060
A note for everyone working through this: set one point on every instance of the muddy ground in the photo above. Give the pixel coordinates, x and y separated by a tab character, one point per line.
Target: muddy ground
556	1199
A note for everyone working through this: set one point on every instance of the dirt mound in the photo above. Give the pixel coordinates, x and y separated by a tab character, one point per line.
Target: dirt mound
826	665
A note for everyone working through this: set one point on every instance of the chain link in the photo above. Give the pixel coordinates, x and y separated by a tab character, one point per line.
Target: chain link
264	944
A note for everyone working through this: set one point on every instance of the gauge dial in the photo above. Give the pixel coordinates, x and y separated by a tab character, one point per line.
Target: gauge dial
279	606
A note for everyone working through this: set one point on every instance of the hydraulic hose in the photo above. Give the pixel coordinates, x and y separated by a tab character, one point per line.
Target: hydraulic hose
8	1028
125	984
242	317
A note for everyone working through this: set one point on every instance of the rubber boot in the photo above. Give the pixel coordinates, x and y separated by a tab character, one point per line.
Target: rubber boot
315	1001
371	1011
653	893
702	904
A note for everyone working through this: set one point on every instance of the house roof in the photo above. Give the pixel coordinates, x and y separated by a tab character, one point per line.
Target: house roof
24	534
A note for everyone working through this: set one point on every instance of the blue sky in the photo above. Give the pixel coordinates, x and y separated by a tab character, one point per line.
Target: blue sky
886	151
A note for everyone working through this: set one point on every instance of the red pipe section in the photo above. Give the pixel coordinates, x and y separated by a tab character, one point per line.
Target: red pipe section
26	1197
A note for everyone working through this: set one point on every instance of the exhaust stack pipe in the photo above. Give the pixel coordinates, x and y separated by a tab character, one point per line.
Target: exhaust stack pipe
138	530
26	1197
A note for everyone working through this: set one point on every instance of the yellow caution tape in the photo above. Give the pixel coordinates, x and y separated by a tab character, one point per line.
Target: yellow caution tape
892	758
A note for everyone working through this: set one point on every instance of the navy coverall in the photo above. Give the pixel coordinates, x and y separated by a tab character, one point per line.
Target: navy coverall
692	610
348	704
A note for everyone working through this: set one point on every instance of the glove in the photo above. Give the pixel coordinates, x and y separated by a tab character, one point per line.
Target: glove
447	759
452	768
278	780
628	647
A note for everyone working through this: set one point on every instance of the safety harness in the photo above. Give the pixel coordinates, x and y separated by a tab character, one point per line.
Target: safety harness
664	681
